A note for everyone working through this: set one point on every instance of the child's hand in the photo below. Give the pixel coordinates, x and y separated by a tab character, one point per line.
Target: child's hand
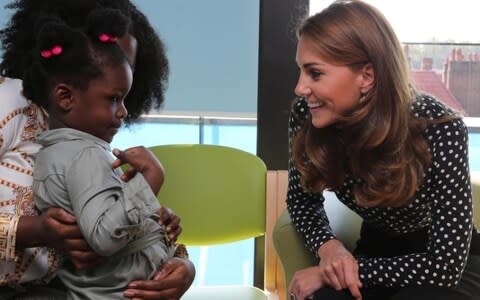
141	160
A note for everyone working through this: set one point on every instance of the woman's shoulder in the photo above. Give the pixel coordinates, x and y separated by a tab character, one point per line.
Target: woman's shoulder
10	86
444	121
11	95
426	106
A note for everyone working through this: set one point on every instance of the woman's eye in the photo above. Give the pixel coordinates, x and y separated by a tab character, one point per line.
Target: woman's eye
315	74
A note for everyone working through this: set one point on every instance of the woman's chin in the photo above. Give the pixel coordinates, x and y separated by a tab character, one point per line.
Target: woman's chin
323	122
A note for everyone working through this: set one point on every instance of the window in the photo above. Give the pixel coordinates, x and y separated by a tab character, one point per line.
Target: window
442	44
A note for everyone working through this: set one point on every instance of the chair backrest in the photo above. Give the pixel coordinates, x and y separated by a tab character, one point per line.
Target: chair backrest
218	191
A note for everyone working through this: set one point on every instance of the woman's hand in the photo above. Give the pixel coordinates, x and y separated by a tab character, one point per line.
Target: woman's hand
140	160
171	222
338	268
57	229
170	282
305	282
69	238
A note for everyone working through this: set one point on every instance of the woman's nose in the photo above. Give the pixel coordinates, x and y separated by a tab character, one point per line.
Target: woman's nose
301	89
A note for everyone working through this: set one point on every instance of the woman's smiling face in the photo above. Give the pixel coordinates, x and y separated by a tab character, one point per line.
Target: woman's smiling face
331	90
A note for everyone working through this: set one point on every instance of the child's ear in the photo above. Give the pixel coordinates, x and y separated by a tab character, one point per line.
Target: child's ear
63	96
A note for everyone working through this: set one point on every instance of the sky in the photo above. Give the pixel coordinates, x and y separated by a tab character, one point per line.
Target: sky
421	20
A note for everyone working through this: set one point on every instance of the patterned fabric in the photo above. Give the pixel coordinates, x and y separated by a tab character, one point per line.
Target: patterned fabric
20	121
442	207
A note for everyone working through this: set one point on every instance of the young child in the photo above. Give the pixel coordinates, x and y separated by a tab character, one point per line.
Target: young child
81	79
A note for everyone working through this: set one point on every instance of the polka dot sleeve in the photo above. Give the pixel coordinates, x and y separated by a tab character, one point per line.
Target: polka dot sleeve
448	194
306	209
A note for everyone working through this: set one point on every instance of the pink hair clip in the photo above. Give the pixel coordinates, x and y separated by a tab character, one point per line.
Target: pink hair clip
106	38
56	50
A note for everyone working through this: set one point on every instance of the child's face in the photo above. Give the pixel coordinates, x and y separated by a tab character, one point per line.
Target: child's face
100	110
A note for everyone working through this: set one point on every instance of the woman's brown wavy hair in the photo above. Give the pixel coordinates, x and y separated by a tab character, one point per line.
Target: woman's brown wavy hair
381	142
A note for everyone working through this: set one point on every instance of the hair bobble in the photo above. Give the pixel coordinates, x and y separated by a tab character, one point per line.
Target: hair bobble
106	38
54	51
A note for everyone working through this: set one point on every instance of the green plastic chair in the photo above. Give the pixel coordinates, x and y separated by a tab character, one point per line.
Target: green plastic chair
219	192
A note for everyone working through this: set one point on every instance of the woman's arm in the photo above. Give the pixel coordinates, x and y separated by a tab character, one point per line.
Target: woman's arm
56	229
337	268
305	208
50	229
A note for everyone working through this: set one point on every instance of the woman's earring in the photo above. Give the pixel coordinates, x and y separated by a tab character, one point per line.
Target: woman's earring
362	99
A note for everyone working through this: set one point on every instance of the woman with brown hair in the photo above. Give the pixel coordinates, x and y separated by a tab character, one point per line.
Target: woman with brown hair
393	155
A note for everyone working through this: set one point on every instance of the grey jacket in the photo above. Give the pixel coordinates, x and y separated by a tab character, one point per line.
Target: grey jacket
73	171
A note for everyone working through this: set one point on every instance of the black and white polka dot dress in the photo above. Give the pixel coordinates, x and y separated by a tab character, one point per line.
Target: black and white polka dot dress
442	208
